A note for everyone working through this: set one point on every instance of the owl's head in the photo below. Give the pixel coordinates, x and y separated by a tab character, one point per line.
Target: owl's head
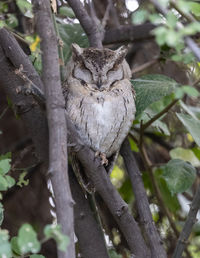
96	68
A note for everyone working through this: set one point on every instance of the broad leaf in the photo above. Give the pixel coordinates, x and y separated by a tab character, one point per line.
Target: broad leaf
54	231
66	11
27	240
170	201
186	155
192	125
37	256
5	248
179	175
4	166
15	246
72	33
3	183
151	88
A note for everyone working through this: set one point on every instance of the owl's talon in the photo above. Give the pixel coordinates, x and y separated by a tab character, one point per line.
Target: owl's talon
102	156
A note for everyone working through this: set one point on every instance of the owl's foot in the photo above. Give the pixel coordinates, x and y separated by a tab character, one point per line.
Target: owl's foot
102	155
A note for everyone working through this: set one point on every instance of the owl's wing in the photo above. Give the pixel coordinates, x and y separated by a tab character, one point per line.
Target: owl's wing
83	180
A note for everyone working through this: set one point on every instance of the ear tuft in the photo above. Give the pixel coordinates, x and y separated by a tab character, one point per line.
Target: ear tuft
76	50
120	54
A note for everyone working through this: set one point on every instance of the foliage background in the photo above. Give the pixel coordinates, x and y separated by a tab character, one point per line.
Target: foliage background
167	146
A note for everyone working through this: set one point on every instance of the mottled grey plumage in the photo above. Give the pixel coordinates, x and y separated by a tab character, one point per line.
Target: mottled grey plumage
99	97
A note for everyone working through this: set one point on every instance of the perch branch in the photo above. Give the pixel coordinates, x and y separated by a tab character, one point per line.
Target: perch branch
85	224
55	106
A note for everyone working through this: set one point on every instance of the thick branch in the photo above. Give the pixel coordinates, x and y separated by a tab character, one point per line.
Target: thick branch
11	57
157	250
128	33
86	225
187	229
89	25
55	106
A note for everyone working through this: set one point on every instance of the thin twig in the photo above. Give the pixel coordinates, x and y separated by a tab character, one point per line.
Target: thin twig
157	116
189	17
187	229
145	65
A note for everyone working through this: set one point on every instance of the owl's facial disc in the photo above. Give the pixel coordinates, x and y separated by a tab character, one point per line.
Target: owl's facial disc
99	69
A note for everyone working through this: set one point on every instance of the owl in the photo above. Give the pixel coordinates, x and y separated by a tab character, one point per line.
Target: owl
100	100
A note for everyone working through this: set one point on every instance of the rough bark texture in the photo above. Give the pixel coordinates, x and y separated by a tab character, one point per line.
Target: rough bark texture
55	106
146	220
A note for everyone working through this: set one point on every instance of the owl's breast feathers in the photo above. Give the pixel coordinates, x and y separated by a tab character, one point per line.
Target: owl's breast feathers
102	119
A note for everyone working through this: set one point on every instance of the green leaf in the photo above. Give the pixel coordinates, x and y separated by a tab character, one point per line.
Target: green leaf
11	20
4	166
25	7
37	256
1	213
139	16
195	8
54	231
192	125
10	181
134	146
22	182
126	191
6	156
186	155
3	183
179	175
171	20
72	33
2	24
161	34
66	11
5	248
27	240
190	91
170	201
151	88
15	246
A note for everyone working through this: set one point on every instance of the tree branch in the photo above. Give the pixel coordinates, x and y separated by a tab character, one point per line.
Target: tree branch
89	25
128	33
187	229
99	177
55	106
86	225
157	250
11	57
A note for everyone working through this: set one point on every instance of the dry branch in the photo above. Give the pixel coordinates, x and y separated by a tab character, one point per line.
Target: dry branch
55	106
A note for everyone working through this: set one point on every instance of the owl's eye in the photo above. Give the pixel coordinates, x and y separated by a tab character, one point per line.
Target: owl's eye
83	82
83	75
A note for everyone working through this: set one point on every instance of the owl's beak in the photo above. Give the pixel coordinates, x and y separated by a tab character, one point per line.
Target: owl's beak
99	83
